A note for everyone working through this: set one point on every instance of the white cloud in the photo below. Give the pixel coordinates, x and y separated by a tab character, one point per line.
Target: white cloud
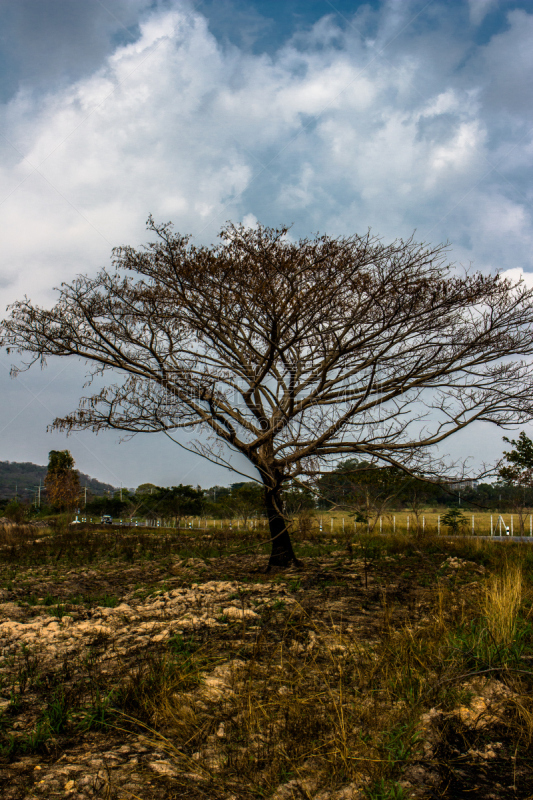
250	221
518	274
328	133
331	133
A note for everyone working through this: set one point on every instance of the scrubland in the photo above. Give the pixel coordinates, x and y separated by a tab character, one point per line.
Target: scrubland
151	664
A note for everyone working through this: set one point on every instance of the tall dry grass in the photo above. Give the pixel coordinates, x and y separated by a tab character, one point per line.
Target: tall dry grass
321	709
15	533
501	603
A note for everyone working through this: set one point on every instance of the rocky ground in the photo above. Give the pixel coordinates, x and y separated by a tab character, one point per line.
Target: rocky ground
145	666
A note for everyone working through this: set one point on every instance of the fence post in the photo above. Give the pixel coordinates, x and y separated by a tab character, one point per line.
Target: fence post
530	524
408	523
394	524
438	525
472	525
331	520
512	527
491	528
423	524
381	525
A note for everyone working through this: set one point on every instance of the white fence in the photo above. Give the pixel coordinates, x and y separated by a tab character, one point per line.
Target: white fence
499	525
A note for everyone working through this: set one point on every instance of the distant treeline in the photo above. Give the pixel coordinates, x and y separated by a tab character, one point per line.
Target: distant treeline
366	493
242	500
21	479
374	490
353	487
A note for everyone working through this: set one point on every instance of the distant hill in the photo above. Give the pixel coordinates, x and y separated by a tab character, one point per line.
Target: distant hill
22	478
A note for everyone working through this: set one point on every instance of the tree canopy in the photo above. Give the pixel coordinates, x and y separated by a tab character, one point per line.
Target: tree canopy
62	482
292	354
519	467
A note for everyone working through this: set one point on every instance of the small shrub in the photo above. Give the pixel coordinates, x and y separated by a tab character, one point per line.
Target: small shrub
454	520
17	512
57	712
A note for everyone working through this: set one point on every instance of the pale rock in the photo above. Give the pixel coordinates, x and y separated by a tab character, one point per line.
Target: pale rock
349	792
215	687
239	613
163	768
106	612
148	626
295	788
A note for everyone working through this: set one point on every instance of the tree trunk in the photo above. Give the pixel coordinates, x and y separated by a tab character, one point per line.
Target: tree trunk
282	554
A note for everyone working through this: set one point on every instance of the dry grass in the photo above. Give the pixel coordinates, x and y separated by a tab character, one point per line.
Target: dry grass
501	603
16	534
298	712
324	710
321	710
383	691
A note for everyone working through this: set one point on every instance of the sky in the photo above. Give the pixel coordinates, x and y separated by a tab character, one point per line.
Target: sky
330	115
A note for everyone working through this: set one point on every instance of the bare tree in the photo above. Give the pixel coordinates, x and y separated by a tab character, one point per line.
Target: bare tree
291	353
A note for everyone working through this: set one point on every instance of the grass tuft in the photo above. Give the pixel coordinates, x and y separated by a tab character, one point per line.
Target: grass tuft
501	604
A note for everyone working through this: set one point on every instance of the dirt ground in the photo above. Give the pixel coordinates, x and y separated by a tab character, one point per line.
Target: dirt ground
146	665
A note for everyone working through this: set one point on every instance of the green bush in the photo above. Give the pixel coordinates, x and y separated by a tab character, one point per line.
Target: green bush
454	520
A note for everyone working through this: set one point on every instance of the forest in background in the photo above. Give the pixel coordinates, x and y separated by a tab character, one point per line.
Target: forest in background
21	479
354	488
